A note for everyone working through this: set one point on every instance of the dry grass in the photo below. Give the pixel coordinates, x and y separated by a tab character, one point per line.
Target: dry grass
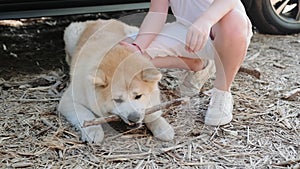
265	131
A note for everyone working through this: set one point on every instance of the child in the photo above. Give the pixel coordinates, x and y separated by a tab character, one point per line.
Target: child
205	31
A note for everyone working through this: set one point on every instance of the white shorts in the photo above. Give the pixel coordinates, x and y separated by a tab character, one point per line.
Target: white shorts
171	42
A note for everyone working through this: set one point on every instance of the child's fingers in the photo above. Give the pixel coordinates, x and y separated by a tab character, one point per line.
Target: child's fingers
200	44
193	43
187	41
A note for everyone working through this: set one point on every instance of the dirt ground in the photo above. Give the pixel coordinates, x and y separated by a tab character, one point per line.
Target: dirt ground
265	131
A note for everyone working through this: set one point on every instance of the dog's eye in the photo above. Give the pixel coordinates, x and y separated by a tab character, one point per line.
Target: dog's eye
118	100
137	97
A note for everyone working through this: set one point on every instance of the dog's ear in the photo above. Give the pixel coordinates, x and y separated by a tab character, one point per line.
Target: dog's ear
151	75
100	80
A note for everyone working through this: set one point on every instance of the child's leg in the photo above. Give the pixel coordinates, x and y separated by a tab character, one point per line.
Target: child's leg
231	39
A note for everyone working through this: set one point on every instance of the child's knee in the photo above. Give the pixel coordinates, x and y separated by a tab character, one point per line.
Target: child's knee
236	25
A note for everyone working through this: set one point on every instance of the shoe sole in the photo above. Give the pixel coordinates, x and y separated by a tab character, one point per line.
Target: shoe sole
218	122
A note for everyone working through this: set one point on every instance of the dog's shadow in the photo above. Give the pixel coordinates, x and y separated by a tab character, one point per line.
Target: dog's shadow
120	127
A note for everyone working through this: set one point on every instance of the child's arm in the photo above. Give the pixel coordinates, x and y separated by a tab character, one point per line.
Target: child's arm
217	10
152	23
199	31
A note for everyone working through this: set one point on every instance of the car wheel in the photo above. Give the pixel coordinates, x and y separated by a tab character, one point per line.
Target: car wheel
275	16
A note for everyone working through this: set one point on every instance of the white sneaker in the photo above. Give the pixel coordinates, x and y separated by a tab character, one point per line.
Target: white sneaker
220	108
192	82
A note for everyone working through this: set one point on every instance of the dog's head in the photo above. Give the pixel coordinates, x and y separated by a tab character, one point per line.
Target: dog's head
126	84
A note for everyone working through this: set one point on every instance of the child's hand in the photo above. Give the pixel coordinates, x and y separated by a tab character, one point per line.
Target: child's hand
197	35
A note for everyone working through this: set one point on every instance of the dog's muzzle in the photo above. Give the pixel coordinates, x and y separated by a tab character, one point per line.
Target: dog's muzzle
130	113
134	117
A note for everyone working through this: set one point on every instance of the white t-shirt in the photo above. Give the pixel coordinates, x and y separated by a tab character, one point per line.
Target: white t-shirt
187	11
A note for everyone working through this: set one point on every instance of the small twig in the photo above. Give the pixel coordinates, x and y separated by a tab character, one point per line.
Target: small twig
181	162
254	56
49	124
189	154
167	149
215	133
289	162
278	65
248	135
39	81
290	95
284	120
148	111
251	72
139	165
164	150
89	162
22	165
128	156
33	100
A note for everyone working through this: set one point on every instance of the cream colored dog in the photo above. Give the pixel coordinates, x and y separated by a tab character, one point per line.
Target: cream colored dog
107	78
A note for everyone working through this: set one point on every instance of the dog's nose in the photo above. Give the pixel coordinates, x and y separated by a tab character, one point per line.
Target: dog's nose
134	117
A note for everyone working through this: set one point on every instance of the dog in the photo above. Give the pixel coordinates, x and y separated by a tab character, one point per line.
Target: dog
107	78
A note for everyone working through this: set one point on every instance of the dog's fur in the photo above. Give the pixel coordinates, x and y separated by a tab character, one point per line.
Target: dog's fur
108	78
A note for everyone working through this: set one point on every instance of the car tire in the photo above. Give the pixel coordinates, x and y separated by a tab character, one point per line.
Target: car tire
266	20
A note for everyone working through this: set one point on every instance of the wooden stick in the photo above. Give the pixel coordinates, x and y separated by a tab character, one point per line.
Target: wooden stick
148	111
290	95
251	72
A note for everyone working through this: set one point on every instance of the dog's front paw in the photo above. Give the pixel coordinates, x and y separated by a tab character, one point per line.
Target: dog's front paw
92	134
161	129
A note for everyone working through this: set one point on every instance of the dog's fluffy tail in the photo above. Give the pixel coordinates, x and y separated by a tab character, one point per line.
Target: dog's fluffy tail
71	36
